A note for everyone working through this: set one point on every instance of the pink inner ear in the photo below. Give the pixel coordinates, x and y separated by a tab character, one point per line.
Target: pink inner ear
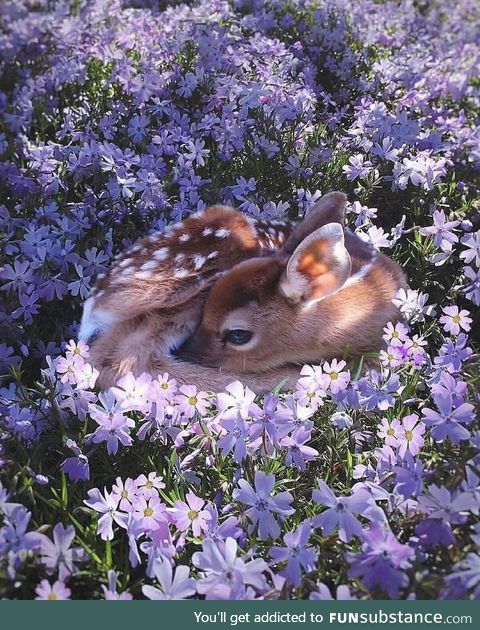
324	285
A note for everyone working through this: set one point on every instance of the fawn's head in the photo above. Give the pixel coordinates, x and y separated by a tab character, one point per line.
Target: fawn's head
267	312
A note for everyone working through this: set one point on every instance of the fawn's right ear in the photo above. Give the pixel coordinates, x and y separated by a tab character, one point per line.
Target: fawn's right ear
329	209
318	267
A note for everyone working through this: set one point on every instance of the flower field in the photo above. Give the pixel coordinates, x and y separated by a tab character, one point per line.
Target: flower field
119	117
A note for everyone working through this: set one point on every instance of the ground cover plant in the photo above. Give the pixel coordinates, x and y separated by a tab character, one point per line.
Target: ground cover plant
119	117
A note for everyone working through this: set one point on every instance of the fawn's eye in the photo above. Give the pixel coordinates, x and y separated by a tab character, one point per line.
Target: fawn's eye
238	337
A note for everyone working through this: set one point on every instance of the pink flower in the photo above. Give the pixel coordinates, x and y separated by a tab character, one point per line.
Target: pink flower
395	335
454	319
148	486
237	400
390	431
150	512
190	401
392	357
336	378
132	392
165	388
410	435
190	514
57	590
126	493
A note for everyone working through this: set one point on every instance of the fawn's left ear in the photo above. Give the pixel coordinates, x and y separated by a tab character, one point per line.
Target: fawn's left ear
329	209
318	267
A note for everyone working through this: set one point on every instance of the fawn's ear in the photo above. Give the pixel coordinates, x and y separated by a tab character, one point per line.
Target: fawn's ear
318	267
329	209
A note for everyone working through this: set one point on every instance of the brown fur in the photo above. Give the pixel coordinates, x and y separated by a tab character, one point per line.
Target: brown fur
278	300
155	311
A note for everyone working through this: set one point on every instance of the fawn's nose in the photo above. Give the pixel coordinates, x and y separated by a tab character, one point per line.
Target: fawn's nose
189	350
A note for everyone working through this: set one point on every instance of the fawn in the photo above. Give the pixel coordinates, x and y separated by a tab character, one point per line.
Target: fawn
324	293
150	300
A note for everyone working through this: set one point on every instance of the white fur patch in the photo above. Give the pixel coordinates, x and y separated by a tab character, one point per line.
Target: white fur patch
199	261
222	233
161	253
151	264
181	273
144	275
94	321
207	231
184	238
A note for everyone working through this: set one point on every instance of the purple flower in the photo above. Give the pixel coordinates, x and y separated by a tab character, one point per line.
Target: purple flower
440	503
296	553
224	575
341	512
190	401
235	438
337	379
323	593
448	422
229	528
409	477
108	507
126	493
442	230
467	573
472	251
262	503
77	468
472	289
149	486
382	561
268	423
58	555
172	587
19	275
378	395
111	593
15	541
453	353
357	167
114	431
28	306
298	453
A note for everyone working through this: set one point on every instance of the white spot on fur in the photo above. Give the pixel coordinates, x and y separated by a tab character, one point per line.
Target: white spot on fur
181	273
207	231
179	257
212	255
184	238
161	254
199	260
125	262
222	233
151	264
94	321
143	275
